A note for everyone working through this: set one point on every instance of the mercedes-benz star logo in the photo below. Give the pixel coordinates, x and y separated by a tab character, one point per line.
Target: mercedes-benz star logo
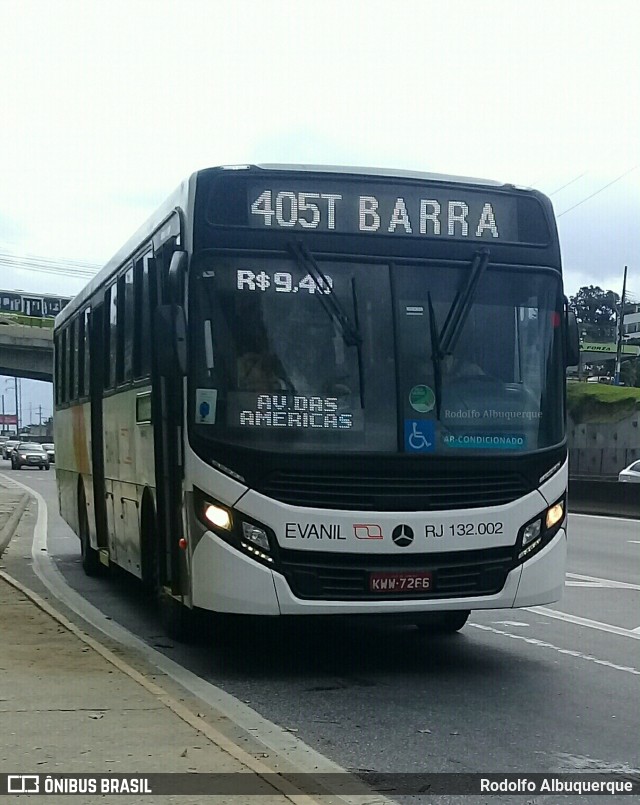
402	535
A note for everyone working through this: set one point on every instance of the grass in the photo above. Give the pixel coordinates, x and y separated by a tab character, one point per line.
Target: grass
597	402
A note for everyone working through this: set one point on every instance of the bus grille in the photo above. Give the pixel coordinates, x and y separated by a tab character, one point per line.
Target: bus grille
345	577
371	492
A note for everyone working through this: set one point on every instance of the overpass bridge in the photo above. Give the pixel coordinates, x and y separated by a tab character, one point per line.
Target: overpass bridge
26	349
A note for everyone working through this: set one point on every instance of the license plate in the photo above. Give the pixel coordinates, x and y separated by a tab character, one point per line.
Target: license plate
32	460
400	582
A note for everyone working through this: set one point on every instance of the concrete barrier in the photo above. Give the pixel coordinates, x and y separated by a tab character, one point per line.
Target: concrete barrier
611	498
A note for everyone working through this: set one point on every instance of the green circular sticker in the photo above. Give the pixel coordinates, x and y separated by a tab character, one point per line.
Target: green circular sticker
422	399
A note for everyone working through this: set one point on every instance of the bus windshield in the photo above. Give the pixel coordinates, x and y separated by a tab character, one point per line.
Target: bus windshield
271	368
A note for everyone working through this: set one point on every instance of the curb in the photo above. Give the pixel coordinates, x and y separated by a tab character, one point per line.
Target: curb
13	522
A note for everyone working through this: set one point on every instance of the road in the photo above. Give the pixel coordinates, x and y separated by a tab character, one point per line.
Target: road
548	689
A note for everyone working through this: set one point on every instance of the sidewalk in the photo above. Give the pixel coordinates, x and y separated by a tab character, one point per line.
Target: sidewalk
70	705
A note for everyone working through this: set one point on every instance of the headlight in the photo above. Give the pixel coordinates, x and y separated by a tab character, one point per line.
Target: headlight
256	536
218	516
555	514
531	531
236	529
535	534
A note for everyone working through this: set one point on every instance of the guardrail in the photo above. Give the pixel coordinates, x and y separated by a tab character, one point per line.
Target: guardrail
611	498
26	321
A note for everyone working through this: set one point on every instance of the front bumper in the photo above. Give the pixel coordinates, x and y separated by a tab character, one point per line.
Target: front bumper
224	580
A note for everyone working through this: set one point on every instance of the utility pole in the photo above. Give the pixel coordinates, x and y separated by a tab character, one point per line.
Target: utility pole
17	410
616	379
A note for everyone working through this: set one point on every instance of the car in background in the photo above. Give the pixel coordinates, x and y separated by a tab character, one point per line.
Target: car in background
50	450
630	474
7	447
29	454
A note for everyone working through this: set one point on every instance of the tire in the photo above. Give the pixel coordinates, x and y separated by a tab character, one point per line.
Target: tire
90	558
178	621
444	622
48	467
149	558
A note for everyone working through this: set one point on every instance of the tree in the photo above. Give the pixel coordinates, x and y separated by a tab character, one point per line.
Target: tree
630	372
596	311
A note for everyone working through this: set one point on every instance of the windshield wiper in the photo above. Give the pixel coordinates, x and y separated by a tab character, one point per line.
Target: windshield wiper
329	302
332	307
462	304
436	355
444	343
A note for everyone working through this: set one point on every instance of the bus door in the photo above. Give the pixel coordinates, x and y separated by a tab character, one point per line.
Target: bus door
96	389
169	453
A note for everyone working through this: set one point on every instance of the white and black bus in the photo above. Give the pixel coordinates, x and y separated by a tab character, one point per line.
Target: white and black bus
321	391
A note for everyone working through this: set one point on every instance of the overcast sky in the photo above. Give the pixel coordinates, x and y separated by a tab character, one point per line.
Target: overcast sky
106	106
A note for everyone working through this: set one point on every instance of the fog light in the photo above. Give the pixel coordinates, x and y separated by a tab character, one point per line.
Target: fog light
218	516
256	536
555	514
531	532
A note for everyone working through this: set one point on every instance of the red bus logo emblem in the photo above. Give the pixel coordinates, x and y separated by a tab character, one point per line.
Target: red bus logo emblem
367	531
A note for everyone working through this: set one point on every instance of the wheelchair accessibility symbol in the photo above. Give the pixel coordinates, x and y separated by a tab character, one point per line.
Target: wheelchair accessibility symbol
419	435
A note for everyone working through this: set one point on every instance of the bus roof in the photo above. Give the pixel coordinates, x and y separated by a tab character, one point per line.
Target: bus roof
390	173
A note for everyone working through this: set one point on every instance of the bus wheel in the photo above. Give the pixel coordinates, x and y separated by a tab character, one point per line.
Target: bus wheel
444	622
150	569
90	558
178	621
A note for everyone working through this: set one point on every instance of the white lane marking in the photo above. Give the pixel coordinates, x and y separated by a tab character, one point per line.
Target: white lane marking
633	541
605	517
590	624
619	585
543	644
274	737
592	584
511	623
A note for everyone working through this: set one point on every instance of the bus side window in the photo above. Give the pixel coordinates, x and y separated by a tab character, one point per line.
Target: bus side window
110	341
58	354
63	368
144	304
80	356
86	354
126	325
73	349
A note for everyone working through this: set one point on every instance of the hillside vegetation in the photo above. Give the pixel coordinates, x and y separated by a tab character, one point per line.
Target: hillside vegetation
597	402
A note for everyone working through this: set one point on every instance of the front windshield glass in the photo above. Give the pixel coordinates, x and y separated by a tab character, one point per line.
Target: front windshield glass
270	368
500	384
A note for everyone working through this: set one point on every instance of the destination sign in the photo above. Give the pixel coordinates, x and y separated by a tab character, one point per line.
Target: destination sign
397	210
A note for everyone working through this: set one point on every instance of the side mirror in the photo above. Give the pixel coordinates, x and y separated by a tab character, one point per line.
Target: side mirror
171	340
573	340
176	275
